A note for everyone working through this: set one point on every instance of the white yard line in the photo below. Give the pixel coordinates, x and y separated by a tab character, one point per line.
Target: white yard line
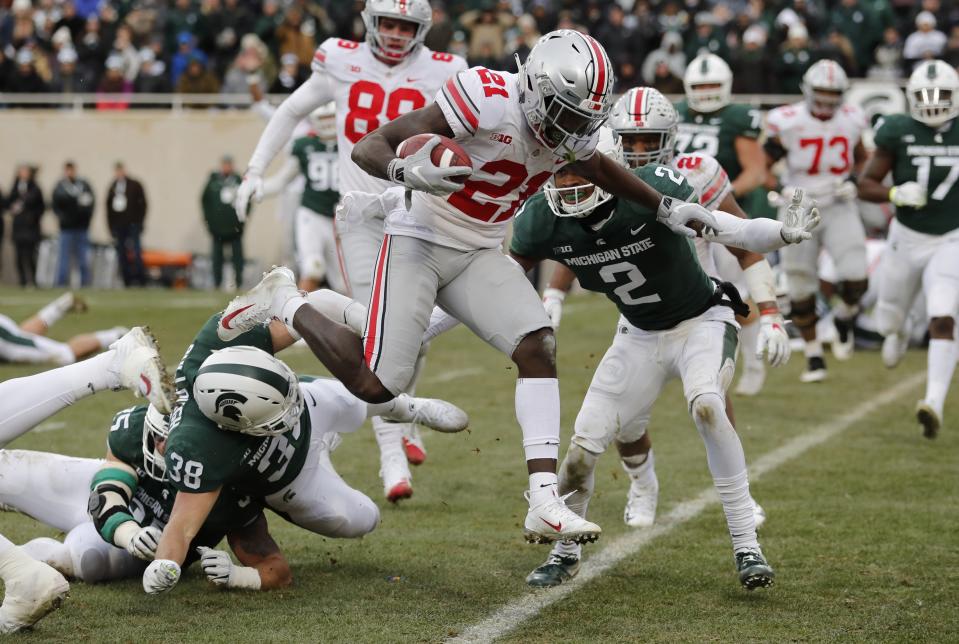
51	426
509	617
452	374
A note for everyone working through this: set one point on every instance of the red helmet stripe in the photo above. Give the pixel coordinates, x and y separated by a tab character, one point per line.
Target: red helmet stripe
638	100
601	72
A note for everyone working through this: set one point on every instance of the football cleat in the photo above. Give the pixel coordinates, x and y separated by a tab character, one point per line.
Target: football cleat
929	418
438	415
556	570
641	502
815	370
752	380
259	304
395	472
77	303
753	570
894	348
759	515
552	521
138	367
845	343
413	444
32	592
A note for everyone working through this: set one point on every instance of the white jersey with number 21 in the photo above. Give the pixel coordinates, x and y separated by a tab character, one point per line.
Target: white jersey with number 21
369	93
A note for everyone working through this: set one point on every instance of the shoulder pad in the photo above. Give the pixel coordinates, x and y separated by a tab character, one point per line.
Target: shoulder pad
330	50
475	98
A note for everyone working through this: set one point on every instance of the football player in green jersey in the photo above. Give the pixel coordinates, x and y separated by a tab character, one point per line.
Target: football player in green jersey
710	123
921	149
675	322
314	157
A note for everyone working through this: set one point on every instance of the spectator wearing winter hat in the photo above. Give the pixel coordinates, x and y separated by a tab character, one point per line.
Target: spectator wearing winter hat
750	63
794	59
70	19
123	47
25	79
888	57
290	77
670	53
67	77
197	79
857	20
152	78
185	48
113	82
706	39
926	42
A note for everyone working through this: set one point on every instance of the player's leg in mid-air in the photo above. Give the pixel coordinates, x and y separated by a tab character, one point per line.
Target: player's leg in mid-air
32	588
132	362
844	238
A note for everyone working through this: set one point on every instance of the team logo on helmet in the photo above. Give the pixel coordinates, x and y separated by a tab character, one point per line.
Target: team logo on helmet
227	404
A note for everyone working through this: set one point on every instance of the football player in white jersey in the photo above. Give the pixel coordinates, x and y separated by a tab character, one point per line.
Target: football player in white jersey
372	83
647	123
820	140
444	249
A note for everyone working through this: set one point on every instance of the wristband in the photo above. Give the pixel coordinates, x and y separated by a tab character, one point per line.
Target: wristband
763	312
556	293
395	171
124	534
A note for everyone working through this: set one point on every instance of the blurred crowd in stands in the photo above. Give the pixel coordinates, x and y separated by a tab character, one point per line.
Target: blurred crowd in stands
212	46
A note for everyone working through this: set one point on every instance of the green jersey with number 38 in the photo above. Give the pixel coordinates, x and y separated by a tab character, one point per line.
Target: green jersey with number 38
317	162
929	157
201	457
715	133
650	273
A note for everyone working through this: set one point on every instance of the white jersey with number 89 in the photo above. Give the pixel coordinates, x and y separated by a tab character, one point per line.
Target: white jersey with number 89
369	93
819	154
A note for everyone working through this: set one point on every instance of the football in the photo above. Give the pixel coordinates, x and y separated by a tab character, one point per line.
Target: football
445	155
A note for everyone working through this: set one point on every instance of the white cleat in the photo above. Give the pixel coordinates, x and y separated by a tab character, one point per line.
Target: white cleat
438	415
32	591
752	381
413	444
843	351
759	515
259	304
395	472
641	503
138	367
894	348
815	370
552	521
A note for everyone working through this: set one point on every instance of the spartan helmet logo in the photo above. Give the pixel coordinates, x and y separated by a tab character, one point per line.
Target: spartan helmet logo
704	66
932	71
227	405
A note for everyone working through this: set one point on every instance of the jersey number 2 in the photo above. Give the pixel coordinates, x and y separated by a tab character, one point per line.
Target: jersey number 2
634	279
366	102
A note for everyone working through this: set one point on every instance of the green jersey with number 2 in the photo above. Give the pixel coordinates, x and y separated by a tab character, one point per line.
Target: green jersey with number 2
201	457
318	164
649	272
929	157
715	133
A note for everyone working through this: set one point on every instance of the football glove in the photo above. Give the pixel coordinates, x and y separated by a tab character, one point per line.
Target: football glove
553	303
676	215
846	191
417	172
773	340
144	543
909	194
160	576
799	222
220	569
251	189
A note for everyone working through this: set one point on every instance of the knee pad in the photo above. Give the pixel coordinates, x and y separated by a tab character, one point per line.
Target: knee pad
801	284
95	560
942	299
596	427
852	292
803	313
707	408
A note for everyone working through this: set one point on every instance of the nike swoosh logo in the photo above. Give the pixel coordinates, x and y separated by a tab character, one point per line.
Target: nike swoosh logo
147	386
633	231
411	80
556	526
225	322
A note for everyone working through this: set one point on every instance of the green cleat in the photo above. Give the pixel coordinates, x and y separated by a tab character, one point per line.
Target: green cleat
555	571
753	570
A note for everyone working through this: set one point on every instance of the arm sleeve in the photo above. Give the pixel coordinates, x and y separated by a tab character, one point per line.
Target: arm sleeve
275	183
310	95
757	235
111	491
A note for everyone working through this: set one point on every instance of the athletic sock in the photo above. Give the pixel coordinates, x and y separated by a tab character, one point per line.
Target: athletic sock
109	336
288	310
537	411
941	363
568	549
389	438
55	310
812	349
641	467
542	487
738	508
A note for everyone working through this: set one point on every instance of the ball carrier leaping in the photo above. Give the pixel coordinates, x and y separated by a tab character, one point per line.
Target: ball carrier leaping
445	249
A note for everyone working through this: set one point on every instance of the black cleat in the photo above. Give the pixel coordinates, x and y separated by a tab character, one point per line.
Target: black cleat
929	419
555	571
753	570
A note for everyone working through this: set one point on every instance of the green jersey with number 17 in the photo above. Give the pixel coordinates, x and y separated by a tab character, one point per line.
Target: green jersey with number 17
649	272
929	157
201	457
715	133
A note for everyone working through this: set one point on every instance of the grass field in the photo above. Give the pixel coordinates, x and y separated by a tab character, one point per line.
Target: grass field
861	529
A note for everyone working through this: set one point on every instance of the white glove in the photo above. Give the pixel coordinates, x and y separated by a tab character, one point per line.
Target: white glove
251	189
773	339
799	221
846	191
160	576
418	172
144	543
220	569
553	303
676	215
909	194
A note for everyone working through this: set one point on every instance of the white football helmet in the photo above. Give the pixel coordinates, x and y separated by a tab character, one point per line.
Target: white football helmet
416	11
156	429
644	110
245	389
932	93
582	199
566	89
708	69
824	85
323	121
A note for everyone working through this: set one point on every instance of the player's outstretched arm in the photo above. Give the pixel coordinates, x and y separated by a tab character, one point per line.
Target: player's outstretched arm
617	180
263	566
190	510
878	166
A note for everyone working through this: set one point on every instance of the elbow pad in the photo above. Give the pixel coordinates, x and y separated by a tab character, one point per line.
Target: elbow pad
111	491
